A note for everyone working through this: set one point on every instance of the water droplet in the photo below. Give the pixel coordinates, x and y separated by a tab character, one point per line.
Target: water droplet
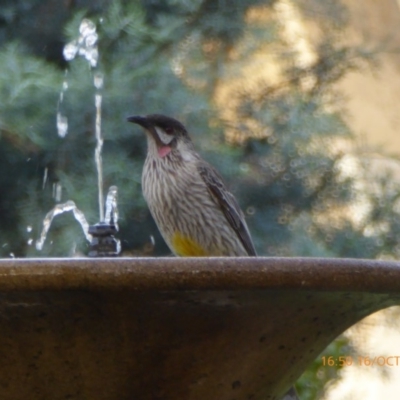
97	99
46	171
57	191
91	40
82	51
62	125
29	228
87	27
70	50
85	45
98	80
92	56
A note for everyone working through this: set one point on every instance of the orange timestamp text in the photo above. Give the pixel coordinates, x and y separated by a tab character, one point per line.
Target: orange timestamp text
365	361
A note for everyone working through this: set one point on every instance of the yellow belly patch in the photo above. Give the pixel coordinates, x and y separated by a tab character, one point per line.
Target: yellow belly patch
186	247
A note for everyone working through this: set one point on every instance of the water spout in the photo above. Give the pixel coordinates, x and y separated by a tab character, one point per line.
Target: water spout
100	236
98	81
103	243
111	217
86	46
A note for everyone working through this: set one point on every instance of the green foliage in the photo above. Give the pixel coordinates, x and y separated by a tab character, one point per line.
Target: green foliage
26	82
324	370
294	159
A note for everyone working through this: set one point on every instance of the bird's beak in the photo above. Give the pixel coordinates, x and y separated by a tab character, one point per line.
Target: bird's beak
147	126
142	121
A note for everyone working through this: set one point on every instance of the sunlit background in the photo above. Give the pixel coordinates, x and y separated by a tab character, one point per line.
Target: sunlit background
295	102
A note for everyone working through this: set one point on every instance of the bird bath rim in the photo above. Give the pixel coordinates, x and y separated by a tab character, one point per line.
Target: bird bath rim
171	328
197	273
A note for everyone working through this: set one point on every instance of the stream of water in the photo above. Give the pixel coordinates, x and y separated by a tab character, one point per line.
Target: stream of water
85	46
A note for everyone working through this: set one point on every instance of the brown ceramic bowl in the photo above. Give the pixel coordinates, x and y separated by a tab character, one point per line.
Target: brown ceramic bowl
174	328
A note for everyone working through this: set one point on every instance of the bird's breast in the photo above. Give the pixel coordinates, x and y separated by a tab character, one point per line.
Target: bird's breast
189	219
174	191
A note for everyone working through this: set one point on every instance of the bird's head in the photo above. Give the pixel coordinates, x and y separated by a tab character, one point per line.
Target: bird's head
164	134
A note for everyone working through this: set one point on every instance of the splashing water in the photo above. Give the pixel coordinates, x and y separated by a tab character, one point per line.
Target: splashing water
98	82
60	209
62	120
57	191
85	45
111	217
45	174
62	124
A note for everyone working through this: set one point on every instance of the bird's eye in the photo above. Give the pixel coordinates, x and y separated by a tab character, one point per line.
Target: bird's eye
168	130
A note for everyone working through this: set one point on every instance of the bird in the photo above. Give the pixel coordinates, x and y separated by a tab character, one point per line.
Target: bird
195	213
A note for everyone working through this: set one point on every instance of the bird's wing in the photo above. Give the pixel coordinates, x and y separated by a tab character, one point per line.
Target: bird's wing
228	204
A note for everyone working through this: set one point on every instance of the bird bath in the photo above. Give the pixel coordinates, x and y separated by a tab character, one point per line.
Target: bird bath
174	328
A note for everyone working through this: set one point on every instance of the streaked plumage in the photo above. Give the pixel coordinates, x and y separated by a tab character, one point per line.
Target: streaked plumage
195	213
